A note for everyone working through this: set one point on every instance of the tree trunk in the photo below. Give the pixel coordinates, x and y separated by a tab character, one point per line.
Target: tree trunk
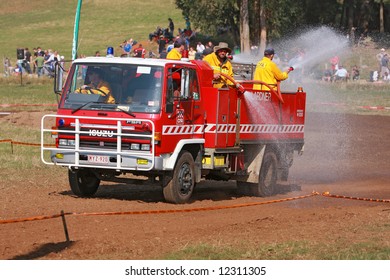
244	27
381	17
263	27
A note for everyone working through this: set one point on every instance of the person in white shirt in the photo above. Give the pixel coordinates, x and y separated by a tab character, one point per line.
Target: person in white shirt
200	47
341	74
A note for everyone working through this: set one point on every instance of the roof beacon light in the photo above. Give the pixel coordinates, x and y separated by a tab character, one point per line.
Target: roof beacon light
110	52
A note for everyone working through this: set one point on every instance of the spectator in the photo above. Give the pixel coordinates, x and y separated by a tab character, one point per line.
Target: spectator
97	53
49	64
27	60
39	50
39	60
334	64
200	47
355	73
386	77
379	59
327	75
127	47
208	49
171	26
341	74
35	55
170	46
155	34
384	64
162	42
139	51
191	53
188	23
7	66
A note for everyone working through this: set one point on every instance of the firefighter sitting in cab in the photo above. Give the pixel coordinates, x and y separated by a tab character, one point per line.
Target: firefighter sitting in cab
97	85
220	63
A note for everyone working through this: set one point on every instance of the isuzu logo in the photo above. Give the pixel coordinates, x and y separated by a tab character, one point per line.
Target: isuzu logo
101	133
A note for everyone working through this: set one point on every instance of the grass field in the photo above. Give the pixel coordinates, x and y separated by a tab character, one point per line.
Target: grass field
103	23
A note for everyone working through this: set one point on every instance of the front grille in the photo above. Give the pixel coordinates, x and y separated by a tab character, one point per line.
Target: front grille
104	145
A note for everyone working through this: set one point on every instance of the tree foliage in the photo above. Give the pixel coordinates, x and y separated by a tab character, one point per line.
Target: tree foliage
286	16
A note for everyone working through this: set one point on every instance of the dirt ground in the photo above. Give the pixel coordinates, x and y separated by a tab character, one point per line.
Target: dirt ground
344	154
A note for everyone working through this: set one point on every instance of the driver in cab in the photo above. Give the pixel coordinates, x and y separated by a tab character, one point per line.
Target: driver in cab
97	85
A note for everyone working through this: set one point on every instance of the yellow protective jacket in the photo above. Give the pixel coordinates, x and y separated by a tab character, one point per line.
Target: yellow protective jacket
102	86
174	54
268	72
218	67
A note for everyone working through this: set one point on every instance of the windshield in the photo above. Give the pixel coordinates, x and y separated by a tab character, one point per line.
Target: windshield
119	87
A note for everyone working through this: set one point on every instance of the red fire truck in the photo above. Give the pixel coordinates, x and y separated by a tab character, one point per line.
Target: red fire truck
170	126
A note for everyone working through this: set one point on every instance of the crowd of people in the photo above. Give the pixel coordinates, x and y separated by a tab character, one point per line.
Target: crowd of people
338	72
39	62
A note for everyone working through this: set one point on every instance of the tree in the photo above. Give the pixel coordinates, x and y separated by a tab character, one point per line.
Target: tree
263	27
261	22
244	27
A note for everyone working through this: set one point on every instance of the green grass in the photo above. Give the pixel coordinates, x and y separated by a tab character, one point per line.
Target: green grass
28	93
103	23
292	250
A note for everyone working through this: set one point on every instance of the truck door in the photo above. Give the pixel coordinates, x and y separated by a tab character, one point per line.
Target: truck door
184	87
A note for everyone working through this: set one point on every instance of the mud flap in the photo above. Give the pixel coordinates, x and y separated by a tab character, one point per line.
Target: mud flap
254	166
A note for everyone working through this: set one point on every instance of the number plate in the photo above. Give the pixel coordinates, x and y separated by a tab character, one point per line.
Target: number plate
98	159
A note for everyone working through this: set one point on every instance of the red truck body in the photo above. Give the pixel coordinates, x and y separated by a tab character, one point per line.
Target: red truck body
185	129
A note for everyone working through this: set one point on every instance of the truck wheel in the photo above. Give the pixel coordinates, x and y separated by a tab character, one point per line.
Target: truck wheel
268	176
180	188
83	182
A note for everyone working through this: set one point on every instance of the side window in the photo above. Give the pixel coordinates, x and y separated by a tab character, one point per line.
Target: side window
194	85
182	84
174	84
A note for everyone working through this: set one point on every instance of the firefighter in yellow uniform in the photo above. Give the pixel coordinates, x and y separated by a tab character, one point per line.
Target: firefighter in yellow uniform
176	52
220	63
97	85
268	72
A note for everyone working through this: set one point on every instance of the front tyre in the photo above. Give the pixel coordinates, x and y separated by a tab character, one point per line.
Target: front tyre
181	187
268	176
83	182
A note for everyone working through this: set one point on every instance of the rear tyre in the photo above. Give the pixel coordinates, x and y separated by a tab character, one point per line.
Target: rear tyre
268	176
181	187
83	182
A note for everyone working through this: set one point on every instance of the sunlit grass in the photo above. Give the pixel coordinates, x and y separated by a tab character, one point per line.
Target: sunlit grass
291	250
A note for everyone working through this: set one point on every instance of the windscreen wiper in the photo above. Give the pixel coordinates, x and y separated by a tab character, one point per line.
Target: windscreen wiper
127	112
84	105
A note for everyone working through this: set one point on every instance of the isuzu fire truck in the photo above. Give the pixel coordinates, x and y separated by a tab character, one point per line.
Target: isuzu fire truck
171	127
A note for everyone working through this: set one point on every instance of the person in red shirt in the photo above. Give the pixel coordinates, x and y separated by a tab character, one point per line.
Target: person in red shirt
139	51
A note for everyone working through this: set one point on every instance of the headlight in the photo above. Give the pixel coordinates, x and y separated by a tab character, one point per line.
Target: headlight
145	147
66	142
134	146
